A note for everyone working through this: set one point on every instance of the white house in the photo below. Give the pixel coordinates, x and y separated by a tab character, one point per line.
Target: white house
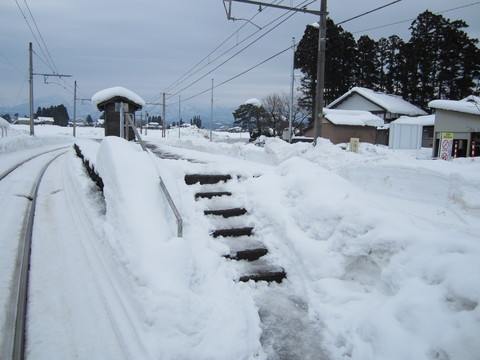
388	107
461	119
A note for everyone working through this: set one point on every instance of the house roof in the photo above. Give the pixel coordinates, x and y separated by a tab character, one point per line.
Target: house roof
352	117
426	120
469	105
110	94
392	103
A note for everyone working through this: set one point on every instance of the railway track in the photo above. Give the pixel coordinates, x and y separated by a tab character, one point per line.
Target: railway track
14	327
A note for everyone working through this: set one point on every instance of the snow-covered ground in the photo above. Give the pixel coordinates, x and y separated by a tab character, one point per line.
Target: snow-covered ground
381	250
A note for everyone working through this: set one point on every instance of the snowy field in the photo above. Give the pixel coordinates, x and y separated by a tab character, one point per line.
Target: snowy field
381	251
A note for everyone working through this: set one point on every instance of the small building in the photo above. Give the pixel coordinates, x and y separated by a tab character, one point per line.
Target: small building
22	121
111	101
339	126
44	120
386	106
425	123
461	118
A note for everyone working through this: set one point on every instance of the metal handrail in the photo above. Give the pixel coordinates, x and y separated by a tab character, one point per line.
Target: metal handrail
175	211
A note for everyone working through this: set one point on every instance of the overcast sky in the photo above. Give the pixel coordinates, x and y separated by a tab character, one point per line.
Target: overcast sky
148	45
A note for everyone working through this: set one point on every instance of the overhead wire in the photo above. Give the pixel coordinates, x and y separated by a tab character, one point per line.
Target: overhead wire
236	76
409	20
286	15
239	43
12	64
211	52
55	70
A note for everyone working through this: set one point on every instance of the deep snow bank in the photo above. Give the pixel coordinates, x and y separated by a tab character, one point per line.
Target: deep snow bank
190	303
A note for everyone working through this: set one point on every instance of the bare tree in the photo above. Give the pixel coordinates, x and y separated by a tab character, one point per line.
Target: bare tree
276	106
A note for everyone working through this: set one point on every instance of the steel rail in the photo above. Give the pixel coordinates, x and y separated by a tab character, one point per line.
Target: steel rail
165	192
15	324
13	168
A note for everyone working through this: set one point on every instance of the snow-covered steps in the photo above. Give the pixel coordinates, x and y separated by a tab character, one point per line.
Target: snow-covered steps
232	229
235	232
191	179
211	194
226	213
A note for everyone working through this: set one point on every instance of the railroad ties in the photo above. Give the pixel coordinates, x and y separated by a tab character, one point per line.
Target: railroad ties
240	239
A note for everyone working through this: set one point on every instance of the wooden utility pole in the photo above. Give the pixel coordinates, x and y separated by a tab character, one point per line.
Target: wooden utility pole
30	76
322	39
163	116
30	79
74	107
318	114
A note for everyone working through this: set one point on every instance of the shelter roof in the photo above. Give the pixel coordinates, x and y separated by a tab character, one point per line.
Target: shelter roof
115	94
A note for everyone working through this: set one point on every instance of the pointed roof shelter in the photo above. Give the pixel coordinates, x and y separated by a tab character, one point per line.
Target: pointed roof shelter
108	100
117	94
388	107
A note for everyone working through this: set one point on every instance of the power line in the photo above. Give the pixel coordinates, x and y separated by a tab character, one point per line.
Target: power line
409	20
12	64
209	54
304	3
41	37
234	55
238	75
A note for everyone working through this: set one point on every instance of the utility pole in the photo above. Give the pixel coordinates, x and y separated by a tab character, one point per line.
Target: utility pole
211	113
30	79
163	115
74	107
318	114
30	76
179	113
292	85
322	39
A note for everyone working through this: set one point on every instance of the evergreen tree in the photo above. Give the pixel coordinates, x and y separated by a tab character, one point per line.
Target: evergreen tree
446	60
89	120
394	62
366	70
250	117
60	115
6	117
339	63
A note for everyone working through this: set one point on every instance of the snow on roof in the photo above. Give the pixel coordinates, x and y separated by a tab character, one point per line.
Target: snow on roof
352	117
4	123
426	120
469	105
392	103
254	102
45	118
106	94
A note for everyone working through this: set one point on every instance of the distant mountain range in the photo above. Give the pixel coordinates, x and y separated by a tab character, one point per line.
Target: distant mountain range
222	116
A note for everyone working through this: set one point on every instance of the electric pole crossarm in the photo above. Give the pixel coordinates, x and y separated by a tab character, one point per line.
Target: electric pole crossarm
304	10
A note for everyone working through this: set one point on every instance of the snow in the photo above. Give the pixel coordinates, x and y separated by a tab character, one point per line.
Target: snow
254	102
426	120
469	105
106	94
352	117
4	123
380	248
392	103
